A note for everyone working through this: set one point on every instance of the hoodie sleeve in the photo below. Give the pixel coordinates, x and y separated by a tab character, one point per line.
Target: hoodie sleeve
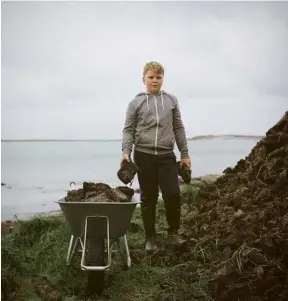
179	131
129	129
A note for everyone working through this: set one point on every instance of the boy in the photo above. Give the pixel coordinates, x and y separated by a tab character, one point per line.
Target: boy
153	124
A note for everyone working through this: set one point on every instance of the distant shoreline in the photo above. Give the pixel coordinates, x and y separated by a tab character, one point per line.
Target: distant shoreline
59	140
211	137
195	138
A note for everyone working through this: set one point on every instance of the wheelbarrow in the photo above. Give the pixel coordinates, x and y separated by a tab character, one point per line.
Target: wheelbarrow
96	228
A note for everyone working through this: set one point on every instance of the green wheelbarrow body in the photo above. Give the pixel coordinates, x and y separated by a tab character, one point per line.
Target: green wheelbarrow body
96	228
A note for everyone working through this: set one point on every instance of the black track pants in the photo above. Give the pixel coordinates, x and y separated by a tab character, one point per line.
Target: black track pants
155	171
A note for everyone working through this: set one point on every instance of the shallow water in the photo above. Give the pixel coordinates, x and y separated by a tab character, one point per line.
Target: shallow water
38	173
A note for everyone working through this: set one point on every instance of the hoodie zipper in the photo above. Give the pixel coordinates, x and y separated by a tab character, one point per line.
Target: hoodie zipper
157	118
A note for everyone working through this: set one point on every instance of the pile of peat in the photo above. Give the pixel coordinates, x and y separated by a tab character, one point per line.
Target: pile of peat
99	192
242	219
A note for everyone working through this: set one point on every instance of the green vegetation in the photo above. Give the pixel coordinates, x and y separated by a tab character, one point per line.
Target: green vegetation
36	251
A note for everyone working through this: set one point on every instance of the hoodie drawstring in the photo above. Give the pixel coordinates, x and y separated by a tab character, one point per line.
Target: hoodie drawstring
147	101
162	101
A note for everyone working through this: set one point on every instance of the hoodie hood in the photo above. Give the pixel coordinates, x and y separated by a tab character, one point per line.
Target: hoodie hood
147	95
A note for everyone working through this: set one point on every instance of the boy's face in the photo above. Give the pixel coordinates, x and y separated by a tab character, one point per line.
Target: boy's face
153	82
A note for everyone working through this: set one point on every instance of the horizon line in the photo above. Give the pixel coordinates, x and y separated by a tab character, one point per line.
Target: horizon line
119	139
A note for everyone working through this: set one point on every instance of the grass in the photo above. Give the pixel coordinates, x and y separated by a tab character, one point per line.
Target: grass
38	247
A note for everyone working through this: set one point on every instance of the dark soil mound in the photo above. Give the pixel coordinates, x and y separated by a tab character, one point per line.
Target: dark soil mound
99	192
243	217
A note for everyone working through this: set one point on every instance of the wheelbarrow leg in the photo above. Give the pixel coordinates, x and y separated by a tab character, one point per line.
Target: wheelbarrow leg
71	249
125	253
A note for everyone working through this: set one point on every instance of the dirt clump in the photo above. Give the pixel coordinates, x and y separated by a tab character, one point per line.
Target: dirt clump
127	172
7	227
46	290
242	219
99	192
184	172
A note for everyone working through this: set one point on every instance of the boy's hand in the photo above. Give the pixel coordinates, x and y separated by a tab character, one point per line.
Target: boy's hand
124	157
186	162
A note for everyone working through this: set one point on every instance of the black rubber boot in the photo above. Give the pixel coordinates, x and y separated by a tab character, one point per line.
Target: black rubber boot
173	215
151	245
148	217
173	212
175	239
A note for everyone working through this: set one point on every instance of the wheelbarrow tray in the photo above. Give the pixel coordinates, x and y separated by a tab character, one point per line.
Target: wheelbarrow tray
119	215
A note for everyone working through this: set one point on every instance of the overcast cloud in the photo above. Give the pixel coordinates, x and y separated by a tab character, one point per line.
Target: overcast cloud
69	69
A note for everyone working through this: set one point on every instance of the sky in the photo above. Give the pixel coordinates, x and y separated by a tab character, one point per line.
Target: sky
69	69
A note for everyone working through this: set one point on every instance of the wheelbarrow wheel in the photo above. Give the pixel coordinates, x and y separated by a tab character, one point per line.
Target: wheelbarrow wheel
95	257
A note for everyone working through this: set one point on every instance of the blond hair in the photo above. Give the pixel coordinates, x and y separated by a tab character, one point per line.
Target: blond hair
154	67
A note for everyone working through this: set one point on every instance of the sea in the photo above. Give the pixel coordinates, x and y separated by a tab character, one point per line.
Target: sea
38	173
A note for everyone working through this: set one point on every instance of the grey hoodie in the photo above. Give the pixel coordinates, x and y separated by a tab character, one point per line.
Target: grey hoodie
153	124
